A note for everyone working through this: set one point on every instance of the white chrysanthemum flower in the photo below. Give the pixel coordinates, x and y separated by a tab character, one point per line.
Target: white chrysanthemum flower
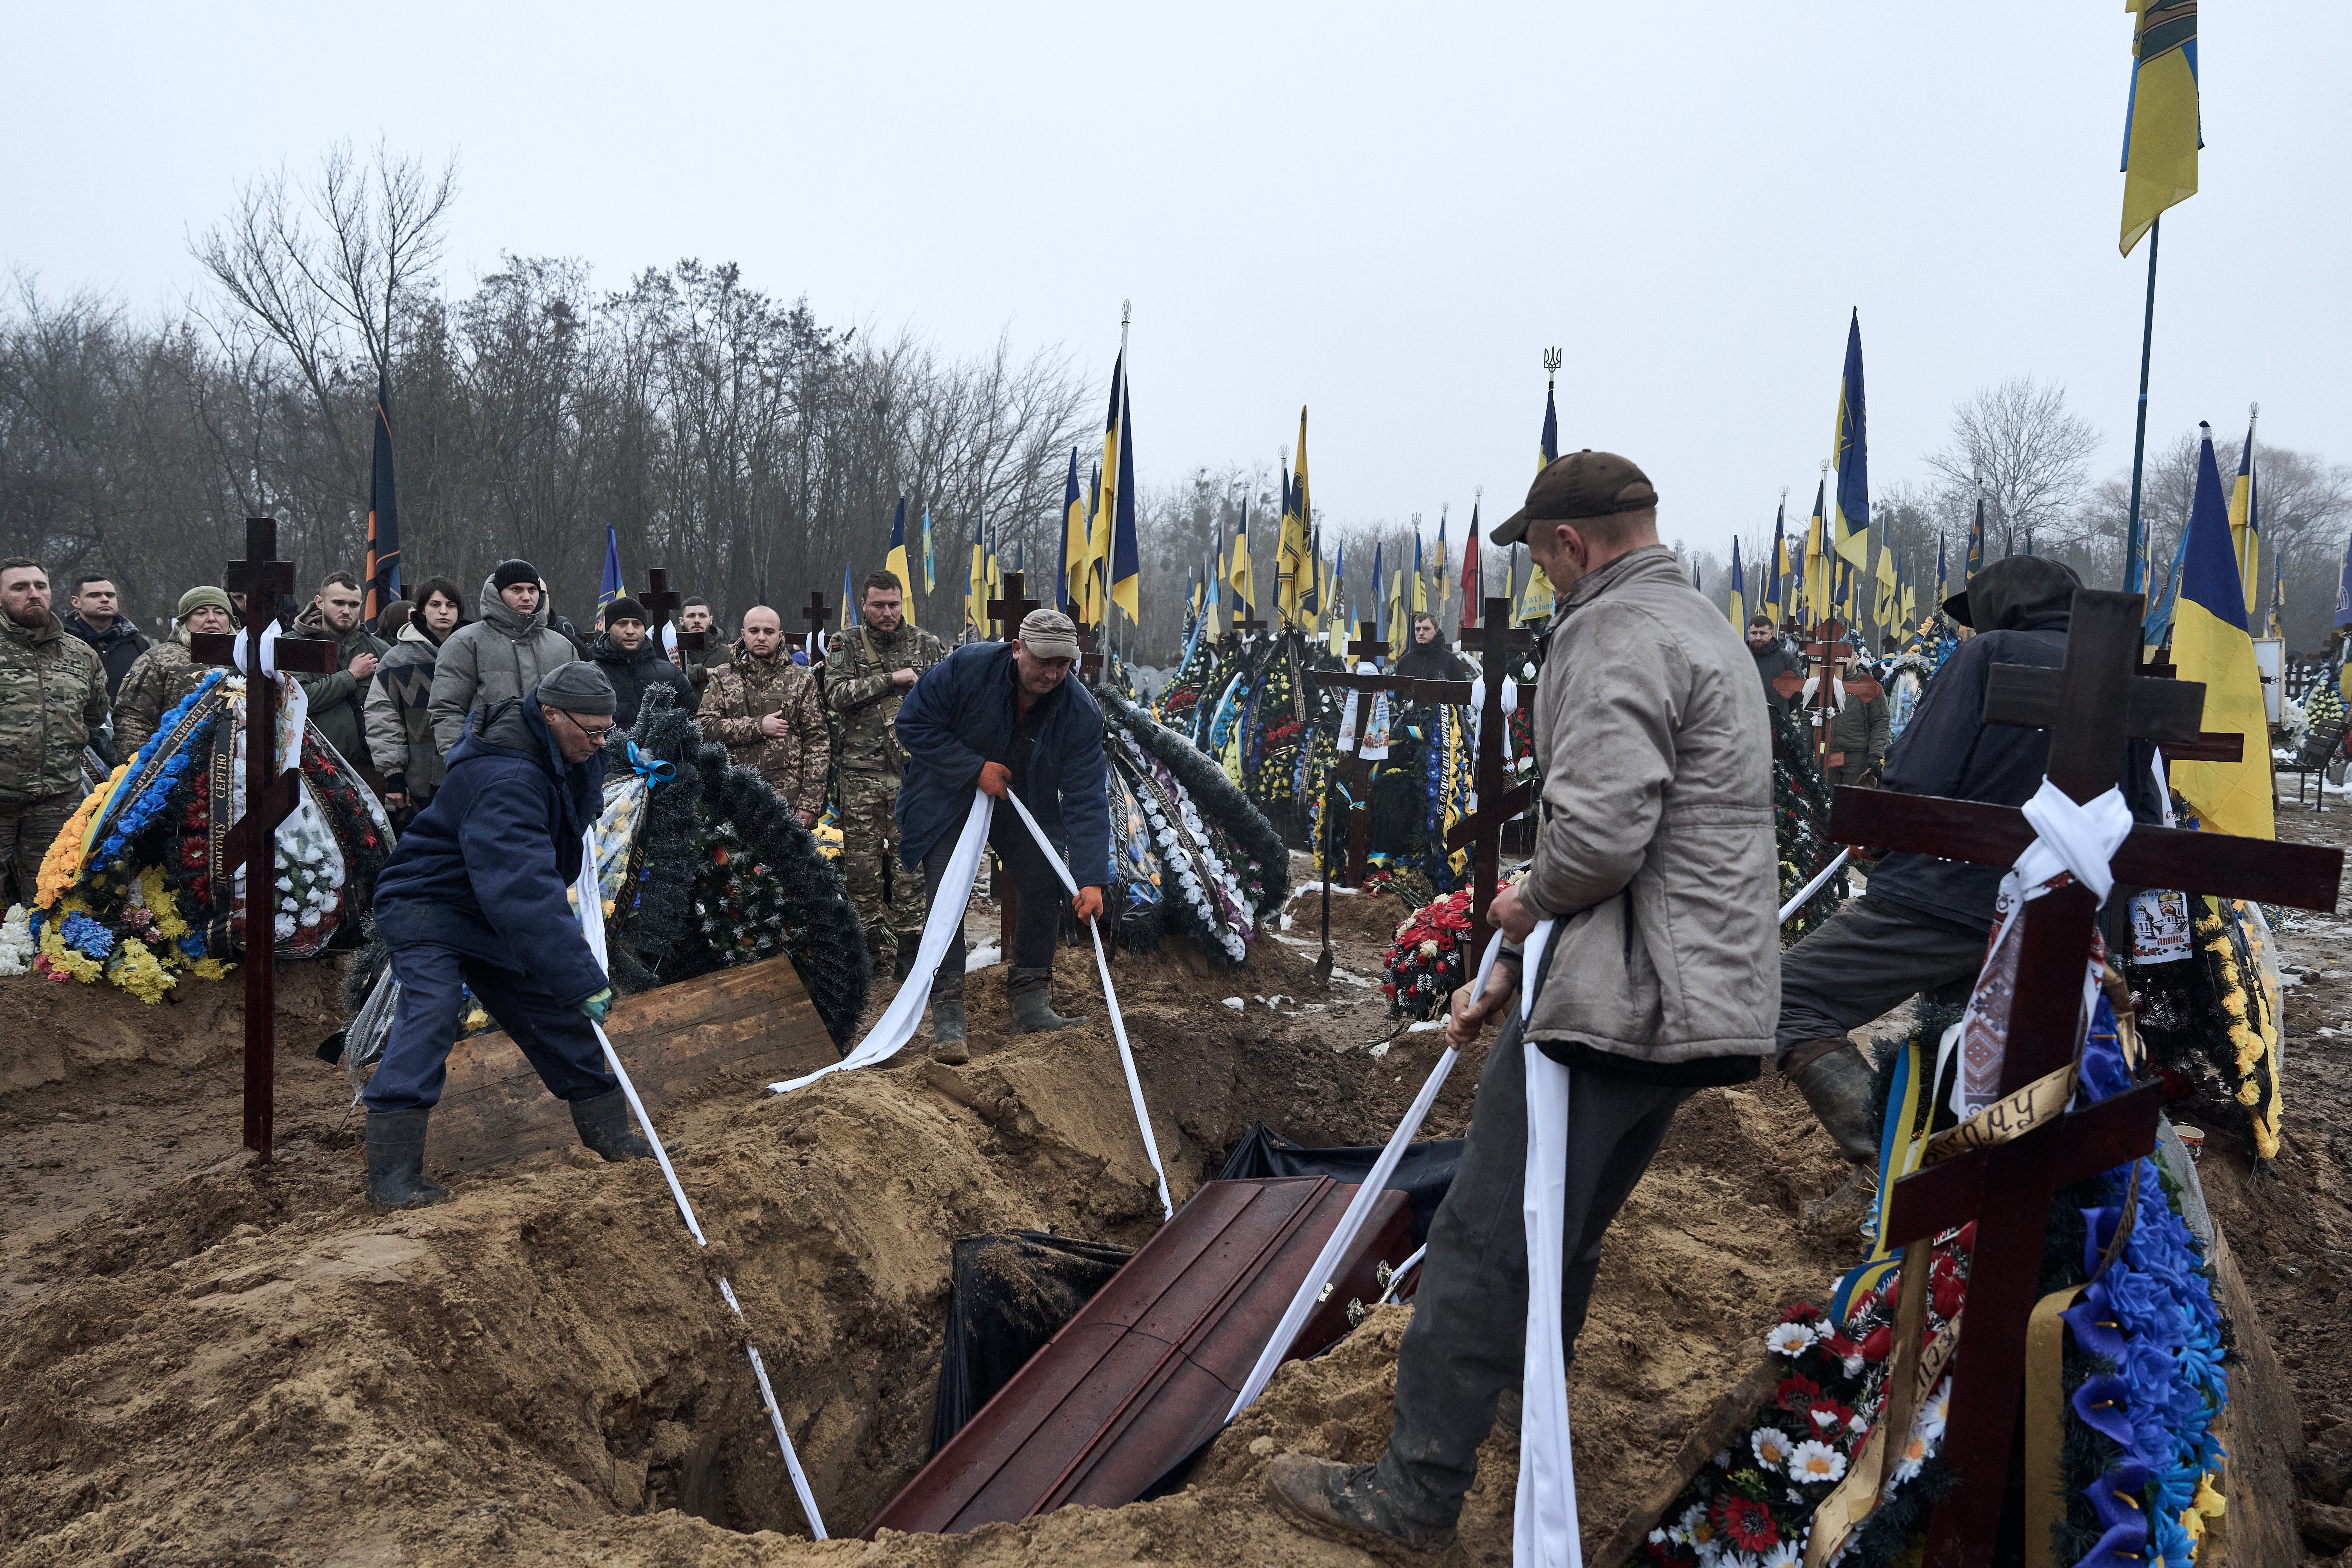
1789	1339
1814	1462
1931	1415
1788	1555
1772	1448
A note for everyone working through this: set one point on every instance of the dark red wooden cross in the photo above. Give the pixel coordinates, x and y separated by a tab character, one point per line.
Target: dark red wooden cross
1354	771
269	797
1245	622
2090	708
817	617
1829	650
660	599
1010	610
1498	801
1089	661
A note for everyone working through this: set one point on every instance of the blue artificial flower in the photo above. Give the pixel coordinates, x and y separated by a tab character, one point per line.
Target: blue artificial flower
2095	1327
2100	1405
2116	1498
86	936
2125	1546
2173	1546
2099	1230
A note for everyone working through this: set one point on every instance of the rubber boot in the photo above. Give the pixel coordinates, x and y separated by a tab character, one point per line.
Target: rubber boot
1840	1088
1345	1503
948	1048
396	1160
603	1123
1032	1008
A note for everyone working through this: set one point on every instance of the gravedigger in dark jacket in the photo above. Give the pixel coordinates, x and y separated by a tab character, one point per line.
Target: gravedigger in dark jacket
474	898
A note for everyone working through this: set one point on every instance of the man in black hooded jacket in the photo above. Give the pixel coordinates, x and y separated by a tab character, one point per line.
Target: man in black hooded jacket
1923	923
633	662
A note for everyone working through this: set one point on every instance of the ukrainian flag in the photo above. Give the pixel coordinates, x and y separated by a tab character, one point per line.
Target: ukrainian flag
1124	561
1890	590
1776	566
1535	602
1074	538
1419	583
1942	592
1105	502
2210	644
1817	562
1294	572
2161	133
894	560
1738	595
848	603
2245	526
930	562
1850	515
608	588
1975	538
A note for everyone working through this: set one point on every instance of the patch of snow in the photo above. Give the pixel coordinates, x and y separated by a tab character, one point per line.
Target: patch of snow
1236	1003
984	957
1424	1028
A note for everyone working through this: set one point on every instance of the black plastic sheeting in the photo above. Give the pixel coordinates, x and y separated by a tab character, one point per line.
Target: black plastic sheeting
1012	1291
1422	1173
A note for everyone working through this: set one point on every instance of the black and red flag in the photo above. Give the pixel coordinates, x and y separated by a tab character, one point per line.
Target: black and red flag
384	516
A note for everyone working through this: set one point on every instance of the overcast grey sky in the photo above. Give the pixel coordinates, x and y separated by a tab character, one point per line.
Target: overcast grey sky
1383	212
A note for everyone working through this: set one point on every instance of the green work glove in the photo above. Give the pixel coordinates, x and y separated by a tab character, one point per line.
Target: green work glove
599	1004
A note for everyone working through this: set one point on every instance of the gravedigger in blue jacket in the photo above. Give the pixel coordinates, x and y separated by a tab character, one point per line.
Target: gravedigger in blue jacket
475	899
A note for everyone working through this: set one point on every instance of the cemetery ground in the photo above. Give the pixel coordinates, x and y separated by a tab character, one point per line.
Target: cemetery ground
211	1360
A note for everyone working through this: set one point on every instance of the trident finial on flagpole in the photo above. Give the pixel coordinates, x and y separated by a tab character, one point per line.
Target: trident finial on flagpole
1126	312
1553	359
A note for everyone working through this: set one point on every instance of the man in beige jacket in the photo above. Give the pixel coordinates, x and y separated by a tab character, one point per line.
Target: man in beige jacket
1654	859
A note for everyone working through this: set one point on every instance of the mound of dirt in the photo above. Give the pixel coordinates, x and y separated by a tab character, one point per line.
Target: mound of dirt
217	1359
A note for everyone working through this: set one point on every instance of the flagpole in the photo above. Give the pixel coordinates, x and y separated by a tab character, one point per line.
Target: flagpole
2132	577
1126	310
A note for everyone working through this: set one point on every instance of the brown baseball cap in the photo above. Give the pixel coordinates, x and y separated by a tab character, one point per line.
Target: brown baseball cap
1582	484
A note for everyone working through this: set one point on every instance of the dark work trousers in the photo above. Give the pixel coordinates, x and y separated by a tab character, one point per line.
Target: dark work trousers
1872	955
1467	1339
1035	882
554	1035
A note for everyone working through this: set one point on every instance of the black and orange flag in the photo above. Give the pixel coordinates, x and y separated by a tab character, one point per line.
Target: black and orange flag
384	516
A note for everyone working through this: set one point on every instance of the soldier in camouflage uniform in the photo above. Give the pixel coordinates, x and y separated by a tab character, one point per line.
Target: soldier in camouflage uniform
769	714
161	678
52	698
868	671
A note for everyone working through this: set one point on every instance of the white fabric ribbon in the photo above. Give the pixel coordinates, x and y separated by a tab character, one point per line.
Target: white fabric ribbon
293	702
591	912
2078	838
1543	1525
1351	1220
945	924
942	925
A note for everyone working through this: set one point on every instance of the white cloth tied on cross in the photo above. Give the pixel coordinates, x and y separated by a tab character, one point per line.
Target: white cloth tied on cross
1479	716
2077	839
1376	734
293	702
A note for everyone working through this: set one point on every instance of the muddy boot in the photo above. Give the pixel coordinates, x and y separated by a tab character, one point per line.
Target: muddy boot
1844	1211
1839	1086
1032	1005
902	961
1344	1503
948	1048
396	1160
603	1123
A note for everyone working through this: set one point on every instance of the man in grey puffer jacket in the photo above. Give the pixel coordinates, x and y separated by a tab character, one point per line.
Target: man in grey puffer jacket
506	653
1654	860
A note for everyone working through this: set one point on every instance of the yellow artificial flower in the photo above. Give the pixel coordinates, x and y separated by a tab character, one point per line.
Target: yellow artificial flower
210	969
158	896
136	970
61	957
61	864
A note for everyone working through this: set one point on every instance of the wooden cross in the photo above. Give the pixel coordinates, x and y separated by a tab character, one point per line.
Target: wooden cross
1829	650
1243	622
269	797
818	616
1355	771
1009	611
661	599
1089	661
2089	706
1497	641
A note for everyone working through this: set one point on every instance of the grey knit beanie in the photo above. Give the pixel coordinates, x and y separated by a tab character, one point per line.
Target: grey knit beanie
576	688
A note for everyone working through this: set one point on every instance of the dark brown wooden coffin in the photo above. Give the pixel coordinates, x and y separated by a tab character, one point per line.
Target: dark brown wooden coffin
735	1028
1147	1371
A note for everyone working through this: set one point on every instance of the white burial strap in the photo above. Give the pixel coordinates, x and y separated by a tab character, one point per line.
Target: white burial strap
1543	1526
1810	889
592	926
1351	1220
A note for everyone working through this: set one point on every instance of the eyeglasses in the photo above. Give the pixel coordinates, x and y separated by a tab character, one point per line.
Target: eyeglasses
597	736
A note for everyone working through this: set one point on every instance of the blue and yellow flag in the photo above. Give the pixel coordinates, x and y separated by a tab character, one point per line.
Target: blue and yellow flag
1816	592
1849	534
1293	570
894	559
848	600
1094	598
1419	581
1074	535
1238	567
1379	599
2245	524
608	587
1125	562
1738	607
1943	587
2157	626
2161	129
1536	602
930	562
2210	644
1976	541
1776	566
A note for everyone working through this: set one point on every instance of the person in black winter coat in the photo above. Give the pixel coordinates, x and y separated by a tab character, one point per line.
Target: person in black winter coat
1773	660
474	897
1923	923
96	619
634	663
1428	657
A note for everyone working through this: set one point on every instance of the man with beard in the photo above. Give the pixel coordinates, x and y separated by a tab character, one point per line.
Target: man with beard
769	714
1773	660
868	672
399	708
1429	657
695	616
333	616
52	696
633	662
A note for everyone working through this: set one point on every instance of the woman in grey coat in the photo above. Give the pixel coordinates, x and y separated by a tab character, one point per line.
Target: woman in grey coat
509	650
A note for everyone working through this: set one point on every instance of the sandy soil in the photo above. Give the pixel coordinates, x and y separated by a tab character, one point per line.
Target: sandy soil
210	1361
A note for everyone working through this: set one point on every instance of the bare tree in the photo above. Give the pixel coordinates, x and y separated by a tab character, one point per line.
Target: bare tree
2031	454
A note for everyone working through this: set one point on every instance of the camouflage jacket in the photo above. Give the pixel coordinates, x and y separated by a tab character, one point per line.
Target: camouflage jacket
858	686
52	698
747	689
162	676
